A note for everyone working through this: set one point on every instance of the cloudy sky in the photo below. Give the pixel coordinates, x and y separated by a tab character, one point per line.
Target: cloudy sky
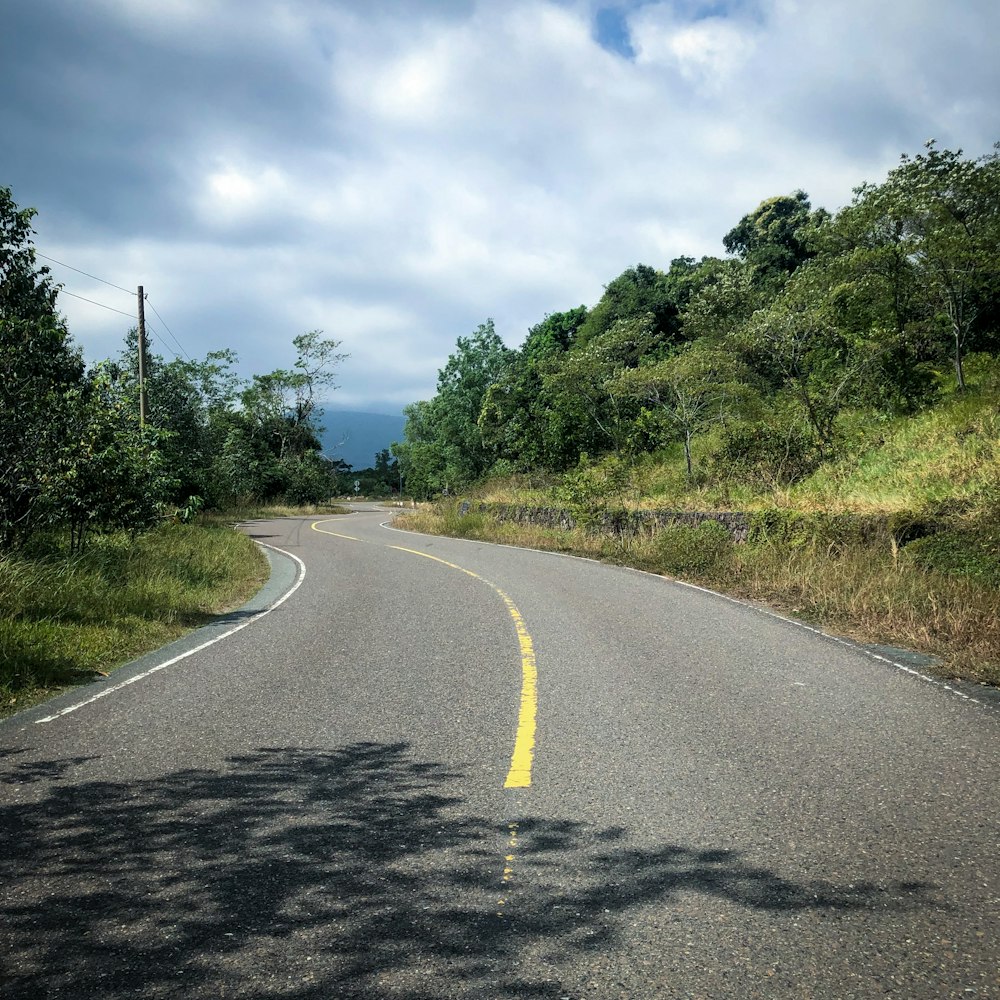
394	172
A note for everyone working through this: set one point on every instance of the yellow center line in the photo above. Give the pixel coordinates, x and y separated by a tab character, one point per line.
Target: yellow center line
522	759
519	774
336	534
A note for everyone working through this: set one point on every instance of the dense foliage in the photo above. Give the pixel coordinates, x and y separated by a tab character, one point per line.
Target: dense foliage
72	453
809	317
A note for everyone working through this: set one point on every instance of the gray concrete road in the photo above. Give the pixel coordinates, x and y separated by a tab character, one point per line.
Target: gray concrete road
450	769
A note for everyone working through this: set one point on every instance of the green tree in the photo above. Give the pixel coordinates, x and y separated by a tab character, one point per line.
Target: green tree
586	412
774	239
190	403
314	372
308	478
27	291
722	302
281	404
106	474
868	248
555	334
385	473
515	411
275	437
637	291
513	415
445	446
870	293
944	211
797	347
692	389
420	451
39	368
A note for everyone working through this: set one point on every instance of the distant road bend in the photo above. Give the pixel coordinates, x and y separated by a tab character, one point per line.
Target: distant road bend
444	768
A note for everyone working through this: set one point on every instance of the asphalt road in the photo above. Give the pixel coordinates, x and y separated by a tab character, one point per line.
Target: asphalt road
496	773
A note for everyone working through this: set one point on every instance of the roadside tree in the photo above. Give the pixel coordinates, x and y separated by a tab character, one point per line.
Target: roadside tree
39	367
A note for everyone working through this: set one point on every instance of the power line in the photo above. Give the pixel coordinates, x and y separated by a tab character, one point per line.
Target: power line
127	291
162	342
84	273
63	291
167	328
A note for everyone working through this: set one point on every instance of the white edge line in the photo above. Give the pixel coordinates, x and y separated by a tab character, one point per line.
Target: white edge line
197	649
850	644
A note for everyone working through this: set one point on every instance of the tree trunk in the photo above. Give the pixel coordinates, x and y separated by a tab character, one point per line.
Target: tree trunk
959	371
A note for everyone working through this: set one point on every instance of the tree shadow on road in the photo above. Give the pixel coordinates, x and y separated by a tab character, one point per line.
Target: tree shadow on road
357	872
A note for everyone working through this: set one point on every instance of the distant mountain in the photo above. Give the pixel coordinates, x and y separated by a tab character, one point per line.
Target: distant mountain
357	437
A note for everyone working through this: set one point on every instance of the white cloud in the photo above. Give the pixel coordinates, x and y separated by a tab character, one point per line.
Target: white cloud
709	52
177	15
233	196
415	89
394	173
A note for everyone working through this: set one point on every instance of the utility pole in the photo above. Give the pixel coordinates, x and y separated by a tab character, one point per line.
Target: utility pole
142	362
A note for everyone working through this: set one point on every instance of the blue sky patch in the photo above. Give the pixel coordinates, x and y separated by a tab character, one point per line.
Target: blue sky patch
611	31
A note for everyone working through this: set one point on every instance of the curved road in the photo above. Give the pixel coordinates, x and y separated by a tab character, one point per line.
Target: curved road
450	769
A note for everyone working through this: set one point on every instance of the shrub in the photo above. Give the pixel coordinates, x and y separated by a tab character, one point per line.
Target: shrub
693	549
834	531
457	520
777	455
596	494
971	551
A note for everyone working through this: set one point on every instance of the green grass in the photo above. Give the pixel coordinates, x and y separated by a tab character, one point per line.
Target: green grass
69	618
945	460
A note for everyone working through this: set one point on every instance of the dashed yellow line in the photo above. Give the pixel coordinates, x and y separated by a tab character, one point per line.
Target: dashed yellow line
508	871
522	759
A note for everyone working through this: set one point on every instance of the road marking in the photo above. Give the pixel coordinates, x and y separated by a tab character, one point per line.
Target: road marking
336	534
519	774
522	759
197	649
508	871
849	643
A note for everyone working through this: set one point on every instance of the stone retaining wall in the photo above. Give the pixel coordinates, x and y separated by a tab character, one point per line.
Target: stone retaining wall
630	523
834	528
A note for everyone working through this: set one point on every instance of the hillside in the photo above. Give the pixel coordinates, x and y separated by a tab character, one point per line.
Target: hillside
945	460
356	436
801	346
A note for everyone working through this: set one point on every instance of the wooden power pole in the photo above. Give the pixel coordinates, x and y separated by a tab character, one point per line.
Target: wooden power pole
142	362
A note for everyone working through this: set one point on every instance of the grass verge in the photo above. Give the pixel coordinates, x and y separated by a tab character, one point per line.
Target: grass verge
873	593
264	512
68	618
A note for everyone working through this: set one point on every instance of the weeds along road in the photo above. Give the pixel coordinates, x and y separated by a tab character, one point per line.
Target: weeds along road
449	769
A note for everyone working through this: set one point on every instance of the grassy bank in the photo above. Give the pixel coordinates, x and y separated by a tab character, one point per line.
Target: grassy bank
67	619
267	511
939	595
